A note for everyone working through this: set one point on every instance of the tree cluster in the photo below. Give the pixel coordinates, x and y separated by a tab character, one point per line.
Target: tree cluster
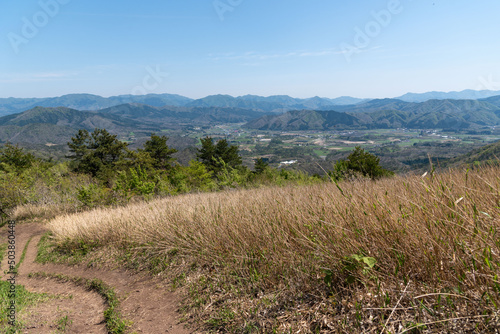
359	163
14	157
101	154
104	171
216	156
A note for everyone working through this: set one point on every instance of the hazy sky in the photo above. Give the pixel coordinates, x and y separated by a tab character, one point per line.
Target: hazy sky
195	48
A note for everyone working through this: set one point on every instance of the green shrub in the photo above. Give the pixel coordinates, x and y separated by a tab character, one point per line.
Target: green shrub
135	182
94	195
359	163
15	157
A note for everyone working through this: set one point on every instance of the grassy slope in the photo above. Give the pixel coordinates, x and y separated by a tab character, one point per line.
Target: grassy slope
485	154
408	251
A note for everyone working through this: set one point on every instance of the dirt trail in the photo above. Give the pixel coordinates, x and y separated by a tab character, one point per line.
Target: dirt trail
145	301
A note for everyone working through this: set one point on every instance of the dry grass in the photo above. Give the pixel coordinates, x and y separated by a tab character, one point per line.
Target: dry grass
45	195
43	212
281	259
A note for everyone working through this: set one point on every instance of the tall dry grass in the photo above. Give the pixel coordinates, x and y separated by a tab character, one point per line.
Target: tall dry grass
435	234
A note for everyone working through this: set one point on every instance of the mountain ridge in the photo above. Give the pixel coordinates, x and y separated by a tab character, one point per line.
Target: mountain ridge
391	113
122	119
273	103
467	94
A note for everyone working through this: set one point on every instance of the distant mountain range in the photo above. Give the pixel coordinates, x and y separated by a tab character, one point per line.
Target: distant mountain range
277	103
251	102
389	113
43	125
88	102
463	95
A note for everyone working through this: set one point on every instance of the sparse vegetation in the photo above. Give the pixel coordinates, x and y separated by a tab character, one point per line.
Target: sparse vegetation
23	254
23	299
114	322
3	248
63	323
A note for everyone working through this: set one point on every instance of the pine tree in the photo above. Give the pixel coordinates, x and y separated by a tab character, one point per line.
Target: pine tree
160	152
214	155
16	157
96	153
260	166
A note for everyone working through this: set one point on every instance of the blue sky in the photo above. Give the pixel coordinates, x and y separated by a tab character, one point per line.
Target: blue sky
195	48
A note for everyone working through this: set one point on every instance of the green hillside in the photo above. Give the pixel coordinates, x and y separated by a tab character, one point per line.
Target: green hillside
390	113
42	125
484	155
304	120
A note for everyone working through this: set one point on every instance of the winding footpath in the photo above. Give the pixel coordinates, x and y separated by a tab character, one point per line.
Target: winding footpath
144	300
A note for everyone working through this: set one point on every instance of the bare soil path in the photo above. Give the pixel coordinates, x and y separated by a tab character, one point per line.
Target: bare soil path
146	301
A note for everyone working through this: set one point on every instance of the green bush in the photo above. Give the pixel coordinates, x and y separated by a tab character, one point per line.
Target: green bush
231	177
93	195
12	190
359	163
134	182
15	157
196	176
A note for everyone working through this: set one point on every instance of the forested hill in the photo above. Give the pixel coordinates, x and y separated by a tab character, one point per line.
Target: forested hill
46	124
56	125
305	120
389	113
88	102
278	103
486	154
275	103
